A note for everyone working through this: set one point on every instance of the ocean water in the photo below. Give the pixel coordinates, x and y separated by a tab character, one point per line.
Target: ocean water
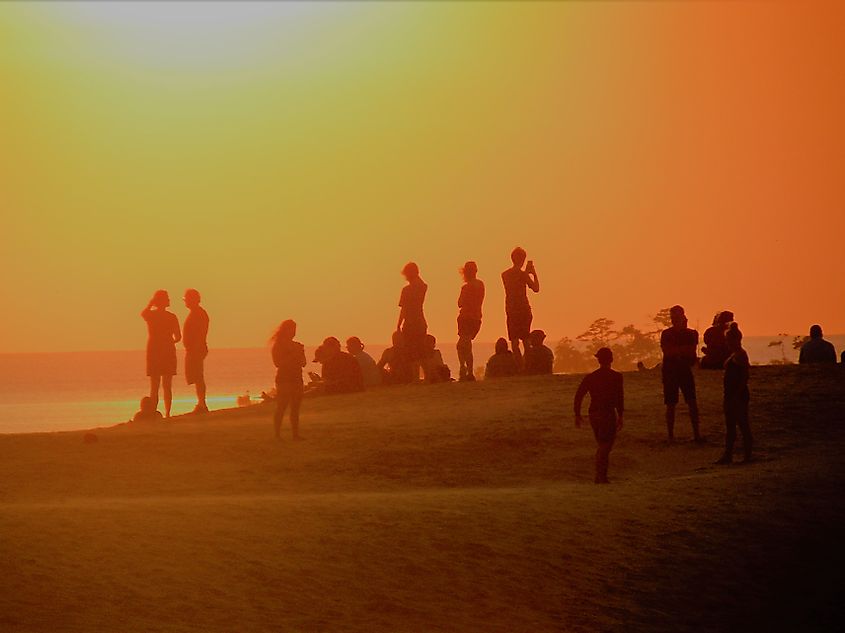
78	390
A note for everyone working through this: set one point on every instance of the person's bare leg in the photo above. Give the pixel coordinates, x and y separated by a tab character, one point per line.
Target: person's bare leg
517	353
200	385
295	404
167	385
670	421
465	361
278	416
155	382
694	418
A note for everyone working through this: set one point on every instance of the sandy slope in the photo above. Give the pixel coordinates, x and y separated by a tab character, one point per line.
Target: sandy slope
462	507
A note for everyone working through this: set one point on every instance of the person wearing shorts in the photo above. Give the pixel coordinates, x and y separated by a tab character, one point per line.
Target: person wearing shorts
469	318
195	340
679	344
289	359
517	308
164	333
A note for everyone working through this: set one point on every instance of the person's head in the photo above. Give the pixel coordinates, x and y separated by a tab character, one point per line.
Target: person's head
192	298
518	256
398	339
816	331
161	299
536	338
605	357
354	345
411	271
501	346
430	342
726	317
285	332
148	405
733	337
677	316
331	346
469	271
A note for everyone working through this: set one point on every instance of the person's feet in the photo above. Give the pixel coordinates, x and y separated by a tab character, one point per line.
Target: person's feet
200	409
724	460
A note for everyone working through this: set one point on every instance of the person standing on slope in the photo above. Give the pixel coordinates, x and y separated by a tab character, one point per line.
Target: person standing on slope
469	318
517	308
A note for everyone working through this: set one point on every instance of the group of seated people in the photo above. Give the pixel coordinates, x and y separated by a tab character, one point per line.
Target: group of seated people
537	360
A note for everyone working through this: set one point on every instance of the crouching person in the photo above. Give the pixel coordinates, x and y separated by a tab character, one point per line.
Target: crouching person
606	407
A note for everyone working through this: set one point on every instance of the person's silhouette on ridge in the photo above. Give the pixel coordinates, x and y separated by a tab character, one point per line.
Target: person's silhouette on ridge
434	369
369	370
517	307
539	359
195	341
341	372
607	406
502	363
412	321
736	396
679	344
817	350
715	351
289	359
469	318
163	334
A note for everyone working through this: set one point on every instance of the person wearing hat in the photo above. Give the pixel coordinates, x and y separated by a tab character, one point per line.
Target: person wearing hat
607	405
369	370
680	345
539	359
469	318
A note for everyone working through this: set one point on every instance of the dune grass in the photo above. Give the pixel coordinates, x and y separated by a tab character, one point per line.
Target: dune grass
457	507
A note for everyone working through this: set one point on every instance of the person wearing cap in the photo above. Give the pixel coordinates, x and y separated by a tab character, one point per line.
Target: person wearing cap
517	307
607	405
412	321
817	350
539	359
195	341
369	370
679	344
469	318
715	351
341	373
737	369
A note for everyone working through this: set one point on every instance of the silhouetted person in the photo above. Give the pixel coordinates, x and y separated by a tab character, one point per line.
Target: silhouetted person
370	372
517	308
195	340
148	411
715	351
469	318
817	350
395	364
679	344
737	368
434	369
501	364
412	322
607	405
163	329
341	373
289	359
539	359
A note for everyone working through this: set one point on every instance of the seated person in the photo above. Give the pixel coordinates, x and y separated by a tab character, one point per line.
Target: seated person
715	348
434	369
395	365
502	363
817	350
369	369
148	412
341	372
539	360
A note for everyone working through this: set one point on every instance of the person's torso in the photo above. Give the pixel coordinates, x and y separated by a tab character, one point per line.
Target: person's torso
160	326
736	375
471	300
679	337
288	356
195	331
818	350
605	389
539	360
516	288
501	364
413	297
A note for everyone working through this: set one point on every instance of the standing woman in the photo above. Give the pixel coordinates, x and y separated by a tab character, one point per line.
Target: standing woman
737	368
412	322
163	328
289	359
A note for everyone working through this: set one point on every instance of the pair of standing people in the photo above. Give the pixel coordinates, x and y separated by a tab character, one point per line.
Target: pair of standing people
163	335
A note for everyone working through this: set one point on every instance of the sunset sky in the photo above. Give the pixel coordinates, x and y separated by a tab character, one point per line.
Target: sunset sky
287	160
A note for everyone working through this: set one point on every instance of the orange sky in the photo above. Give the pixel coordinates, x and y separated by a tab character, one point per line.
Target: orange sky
288	159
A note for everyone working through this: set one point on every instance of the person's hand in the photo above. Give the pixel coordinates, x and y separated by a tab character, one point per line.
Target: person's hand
619	423
579	419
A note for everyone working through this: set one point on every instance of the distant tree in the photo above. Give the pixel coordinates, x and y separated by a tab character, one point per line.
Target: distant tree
778	342
599	334
632	346
571	360
798	341
662	319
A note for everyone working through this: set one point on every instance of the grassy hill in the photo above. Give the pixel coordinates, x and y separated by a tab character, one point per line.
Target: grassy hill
457	507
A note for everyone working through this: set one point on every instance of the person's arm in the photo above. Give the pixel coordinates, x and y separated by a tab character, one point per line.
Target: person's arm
177	334
462	297
832	355
302	360
533	279
145	313
579	398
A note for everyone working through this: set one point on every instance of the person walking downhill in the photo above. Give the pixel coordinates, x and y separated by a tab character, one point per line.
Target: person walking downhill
736	398
607	405
679	344
195	341
469	318
517	307
289	359
163	334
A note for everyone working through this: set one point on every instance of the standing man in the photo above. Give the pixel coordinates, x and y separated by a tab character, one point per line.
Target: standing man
196	346
679	344
517	308
607	404
469	318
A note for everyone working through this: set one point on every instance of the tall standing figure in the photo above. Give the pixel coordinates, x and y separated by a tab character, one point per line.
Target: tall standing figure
412	322
163	329
737	369
289	359
517	308
679	344
195	341
469	318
